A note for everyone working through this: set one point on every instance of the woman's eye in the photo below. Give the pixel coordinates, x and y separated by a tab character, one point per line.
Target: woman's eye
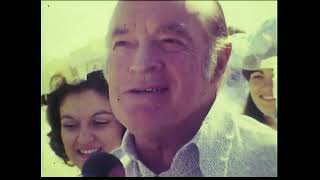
69	126
101	121
257	77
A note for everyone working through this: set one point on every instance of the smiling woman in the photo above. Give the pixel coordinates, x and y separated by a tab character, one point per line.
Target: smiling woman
81	120
261	103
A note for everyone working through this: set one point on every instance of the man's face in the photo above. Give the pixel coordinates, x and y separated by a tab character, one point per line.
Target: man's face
156	59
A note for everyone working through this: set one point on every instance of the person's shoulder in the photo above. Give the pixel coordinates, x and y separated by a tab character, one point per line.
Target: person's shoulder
254	132
254	148
248	147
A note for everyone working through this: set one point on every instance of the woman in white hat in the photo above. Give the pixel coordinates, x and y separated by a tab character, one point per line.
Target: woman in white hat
262	78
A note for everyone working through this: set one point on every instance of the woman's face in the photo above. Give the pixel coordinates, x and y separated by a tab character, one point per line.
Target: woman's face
261	86
88	126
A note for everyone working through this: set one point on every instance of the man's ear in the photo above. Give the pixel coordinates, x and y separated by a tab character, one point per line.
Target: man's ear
222	61
104	70
105	73
107	79
228	49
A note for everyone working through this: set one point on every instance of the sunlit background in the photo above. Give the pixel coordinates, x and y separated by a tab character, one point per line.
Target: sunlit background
72	42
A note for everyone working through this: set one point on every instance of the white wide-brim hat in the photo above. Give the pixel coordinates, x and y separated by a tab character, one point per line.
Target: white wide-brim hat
252	63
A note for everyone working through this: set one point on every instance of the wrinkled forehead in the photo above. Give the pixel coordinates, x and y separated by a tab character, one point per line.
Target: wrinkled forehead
131	14
125	7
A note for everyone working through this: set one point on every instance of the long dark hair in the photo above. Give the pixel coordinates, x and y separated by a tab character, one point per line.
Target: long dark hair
253	111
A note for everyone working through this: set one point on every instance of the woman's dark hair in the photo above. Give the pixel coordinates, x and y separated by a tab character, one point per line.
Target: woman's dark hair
94	82
253	111
246	74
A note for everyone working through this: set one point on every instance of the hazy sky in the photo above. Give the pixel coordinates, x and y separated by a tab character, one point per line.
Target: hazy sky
248	15
68	25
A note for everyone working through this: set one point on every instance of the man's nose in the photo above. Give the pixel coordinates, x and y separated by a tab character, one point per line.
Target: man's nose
147	59
85	137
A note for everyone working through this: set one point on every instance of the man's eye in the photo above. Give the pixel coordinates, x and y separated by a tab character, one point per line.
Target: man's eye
173	41
172	44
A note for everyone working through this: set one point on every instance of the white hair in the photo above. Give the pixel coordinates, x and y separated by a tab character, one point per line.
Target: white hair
104	70
212	58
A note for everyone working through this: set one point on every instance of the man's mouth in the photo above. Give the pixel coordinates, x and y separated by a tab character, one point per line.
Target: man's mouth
148	90
89	151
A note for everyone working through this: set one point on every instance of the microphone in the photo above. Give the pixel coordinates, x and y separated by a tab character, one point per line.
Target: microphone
102	164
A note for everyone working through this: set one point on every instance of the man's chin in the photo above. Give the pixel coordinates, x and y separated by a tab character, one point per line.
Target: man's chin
145	127
143	113
151	134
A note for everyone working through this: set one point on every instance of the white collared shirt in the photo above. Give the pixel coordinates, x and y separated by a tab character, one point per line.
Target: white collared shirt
225	145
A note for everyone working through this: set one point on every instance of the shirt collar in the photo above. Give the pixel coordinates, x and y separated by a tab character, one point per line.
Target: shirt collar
213	142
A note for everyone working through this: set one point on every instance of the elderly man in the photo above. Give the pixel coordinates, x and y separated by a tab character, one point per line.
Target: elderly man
164	66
